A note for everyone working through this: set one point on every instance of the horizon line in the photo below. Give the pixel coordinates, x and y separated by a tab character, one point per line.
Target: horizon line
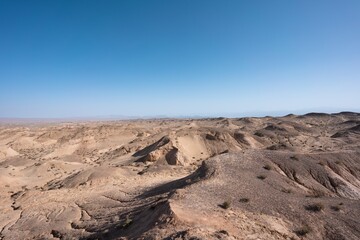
164	116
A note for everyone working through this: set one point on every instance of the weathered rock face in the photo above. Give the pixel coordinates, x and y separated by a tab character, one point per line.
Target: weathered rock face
158	144
174	157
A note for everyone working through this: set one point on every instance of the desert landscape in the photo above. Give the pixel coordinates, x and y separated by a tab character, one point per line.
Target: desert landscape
291	177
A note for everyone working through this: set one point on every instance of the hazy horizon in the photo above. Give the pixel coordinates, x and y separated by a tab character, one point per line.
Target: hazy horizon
74	59
194	116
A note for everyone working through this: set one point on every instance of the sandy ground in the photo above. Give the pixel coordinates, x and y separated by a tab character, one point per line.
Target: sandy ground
292	177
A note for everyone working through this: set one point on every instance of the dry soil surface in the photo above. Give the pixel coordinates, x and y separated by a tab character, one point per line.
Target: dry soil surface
292	177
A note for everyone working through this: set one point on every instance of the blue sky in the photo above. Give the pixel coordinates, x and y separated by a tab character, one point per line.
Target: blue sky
146	58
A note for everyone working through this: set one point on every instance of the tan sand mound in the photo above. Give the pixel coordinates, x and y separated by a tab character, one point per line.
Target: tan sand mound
7	152
91	176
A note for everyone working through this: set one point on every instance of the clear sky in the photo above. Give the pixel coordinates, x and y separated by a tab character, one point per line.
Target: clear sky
145	58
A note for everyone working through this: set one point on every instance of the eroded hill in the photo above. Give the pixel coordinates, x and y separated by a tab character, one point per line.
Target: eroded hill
292	177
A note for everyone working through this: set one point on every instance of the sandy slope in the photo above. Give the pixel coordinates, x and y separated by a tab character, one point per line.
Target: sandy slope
280	178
